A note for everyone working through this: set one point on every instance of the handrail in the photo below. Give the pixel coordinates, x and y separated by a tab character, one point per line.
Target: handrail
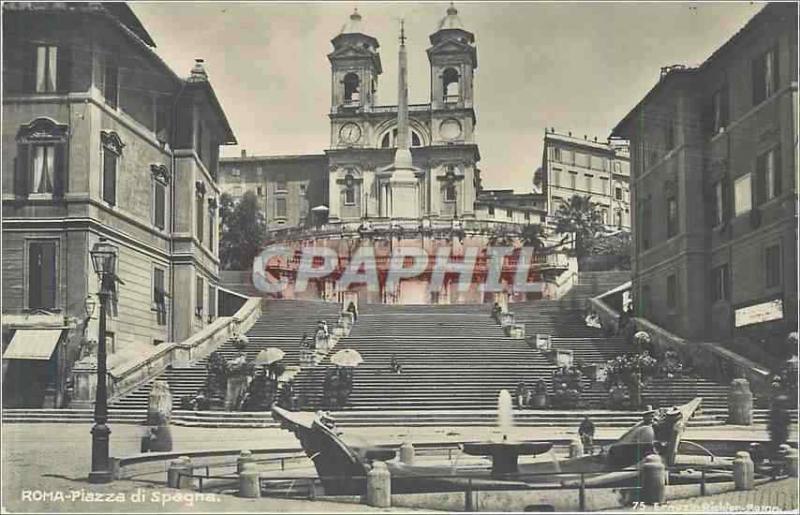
194	347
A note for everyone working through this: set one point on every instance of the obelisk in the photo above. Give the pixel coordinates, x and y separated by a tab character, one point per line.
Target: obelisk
403	183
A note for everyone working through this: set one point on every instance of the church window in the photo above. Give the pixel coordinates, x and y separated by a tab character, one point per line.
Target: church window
349	190
450	192
389	139
351	88
450	85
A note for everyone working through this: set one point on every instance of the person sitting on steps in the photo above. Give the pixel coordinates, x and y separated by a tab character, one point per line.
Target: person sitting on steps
395	365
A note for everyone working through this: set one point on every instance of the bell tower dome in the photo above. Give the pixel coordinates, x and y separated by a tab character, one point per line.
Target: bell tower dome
355	67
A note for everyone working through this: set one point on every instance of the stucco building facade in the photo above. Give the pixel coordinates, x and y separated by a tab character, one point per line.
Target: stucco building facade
101	140
714	160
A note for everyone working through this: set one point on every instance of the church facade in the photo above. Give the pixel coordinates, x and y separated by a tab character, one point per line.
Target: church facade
360	180
394	176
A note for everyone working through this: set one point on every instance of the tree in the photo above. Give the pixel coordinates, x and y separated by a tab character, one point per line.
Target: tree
580	217
243	230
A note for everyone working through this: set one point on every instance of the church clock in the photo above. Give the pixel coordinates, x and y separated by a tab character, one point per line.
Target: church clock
350	133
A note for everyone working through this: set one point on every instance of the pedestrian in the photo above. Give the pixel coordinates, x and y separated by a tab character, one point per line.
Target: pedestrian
586	434
395	365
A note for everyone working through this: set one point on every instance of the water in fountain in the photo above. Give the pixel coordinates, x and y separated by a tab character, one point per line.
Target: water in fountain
505	413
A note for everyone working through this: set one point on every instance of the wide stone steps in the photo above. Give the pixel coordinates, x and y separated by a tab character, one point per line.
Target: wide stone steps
353	418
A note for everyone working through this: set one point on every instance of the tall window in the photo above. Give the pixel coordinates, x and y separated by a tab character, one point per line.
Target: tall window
672	291
491	210
43	168
161	178
556	154
672	217
42	275
556	177
41	158
212	302
111	81
198	292
280	183
588	182
742	193
719	110
573	179
280	207
159	296
720	288
200	214
109	176
159	201
618	216
768	175
509	213
212	221
717	213
772	264
450	192
618	193
349	190
765	75
46	69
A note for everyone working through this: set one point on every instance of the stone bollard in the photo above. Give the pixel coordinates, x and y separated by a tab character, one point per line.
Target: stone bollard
379	486
740	403
249	482
743	471
159	414
244	458
653	474
407	453
575	448
179	472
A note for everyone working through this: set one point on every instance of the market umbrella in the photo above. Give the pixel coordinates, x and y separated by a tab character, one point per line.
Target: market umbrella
268	356
347	358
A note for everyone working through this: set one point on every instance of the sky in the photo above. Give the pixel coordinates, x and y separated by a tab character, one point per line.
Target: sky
577	67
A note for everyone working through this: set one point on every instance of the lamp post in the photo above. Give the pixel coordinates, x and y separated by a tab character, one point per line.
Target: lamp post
104	262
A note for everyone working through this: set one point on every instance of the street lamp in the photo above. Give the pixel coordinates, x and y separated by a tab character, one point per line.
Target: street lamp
104	262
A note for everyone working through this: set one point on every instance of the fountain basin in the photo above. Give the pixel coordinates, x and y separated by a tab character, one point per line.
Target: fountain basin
505	455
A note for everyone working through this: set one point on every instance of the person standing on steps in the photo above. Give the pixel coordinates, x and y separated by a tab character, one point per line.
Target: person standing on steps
586	434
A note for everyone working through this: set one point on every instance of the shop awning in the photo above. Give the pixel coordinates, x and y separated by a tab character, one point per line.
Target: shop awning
33	344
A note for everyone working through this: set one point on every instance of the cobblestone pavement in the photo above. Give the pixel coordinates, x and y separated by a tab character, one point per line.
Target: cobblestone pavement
766	498
45	465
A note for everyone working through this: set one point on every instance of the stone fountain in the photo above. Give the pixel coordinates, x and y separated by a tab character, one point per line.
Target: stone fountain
505	453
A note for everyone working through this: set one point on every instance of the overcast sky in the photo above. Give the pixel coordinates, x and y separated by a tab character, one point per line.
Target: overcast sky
575	67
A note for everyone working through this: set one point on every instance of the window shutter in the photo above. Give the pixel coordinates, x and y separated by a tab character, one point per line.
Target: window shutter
29	69
22	169
48	272
727	200
109	177
60	170
760	189
64	71
35	275
757	79
778	170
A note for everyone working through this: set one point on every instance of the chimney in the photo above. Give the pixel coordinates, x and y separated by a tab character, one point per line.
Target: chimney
244	153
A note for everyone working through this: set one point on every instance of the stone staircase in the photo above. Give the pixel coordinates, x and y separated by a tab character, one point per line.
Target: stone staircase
453	357
281	325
